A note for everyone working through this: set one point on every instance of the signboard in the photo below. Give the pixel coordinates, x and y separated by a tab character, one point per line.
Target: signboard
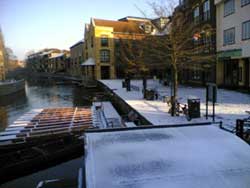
211	96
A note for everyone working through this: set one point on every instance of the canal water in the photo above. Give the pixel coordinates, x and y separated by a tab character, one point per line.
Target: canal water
43	94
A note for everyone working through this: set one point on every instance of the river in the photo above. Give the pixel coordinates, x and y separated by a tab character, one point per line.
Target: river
42	94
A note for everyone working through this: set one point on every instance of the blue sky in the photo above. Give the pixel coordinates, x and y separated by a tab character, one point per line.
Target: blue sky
36	24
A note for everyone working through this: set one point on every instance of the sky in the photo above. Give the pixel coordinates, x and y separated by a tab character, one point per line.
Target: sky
37	24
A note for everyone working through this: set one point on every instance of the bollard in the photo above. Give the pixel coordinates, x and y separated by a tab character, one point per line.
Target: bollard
239	128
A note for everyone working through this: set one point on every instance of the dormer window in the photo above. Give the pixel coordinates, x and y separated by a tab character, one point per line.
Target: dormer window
148	28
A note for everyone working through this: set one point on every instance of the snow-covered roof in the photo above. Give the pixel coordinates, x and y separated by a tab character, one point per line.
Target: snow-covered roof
46	53
89	62
56	55
190	157
76	44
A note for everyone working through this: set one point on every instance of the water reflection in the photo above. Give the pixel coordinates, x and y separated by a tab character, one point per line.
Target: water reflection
42	94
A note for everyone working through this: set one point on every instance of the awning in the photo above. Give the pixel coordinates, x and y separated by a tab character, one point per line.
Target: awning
229	54
89	62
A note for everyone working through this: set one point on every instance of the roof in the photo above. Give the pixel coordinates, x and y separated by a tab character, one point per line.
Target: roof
190	157
88	62
76	44
133	18
46	53
120	26
57	55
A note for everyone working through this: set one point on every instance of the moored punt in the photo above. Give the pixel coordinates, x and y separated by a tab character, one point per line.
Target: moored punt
45	122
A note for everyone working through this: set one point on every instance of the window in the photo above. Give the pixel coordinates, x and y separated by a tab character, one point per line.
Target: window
148	28
246	30
206	9
196	15
104	56
228	7
229	36
245	2
104	42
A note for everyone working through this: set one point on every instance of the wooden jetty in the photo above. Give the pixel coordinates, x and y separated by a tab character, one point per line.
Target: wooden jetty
47	122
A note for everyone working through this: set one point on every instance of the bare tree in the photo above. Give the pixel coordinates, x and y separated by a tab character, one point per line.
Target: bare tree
132	55
2	57
177	46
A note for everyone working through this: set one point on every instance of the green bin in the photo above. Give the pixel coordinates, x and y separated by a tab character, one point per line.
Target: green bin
194	108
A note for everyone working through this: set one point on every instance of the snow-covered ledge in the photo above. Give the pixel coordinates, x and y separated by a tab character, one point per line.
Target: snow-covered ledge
216	2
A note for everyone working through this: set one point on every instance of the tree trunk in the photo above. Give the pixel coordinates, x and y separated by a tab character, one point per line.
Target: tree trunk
175	89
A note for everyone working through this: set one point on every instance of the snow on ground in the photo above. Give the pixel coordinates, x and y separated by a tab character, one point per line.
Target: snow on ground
231	105
191	157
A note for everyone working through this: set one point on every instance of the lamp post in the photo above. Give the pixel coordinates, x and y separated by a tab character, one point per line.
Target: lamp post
172	93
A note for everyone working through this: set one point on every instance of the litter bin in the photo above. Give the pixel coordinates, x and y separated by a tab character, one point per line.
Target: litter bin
194	108
128	84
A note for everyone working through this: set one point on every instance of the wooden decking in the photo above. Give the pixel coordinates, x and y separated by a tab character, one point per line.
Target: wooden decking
47	122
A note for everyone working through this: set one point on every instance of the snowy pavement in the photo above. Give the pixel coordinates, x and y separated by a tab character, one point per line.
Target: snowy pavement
231	105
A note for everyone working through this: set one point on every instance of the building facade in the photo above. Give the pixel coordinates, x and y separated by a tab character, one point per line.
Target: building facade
102	41
233	43
201	16
76	58
48	60
59	63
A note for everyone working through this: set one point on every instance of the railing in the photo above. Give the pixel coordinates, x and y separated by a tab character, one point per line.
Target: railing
243	128
135	88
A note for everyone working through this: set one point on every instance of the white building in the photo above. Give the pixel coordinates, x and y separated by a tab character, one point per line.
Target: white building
233	42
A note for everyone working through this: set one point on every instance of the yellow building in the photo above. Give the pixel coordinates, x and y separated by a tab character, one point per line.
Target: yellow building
101	37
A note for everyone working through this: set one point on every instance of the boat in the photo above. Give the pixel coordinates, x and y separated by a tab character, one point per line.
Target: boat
9	87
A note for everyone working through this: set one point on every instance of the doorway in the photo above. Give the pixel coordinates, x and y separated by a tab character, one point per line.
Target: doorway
231	74
105	72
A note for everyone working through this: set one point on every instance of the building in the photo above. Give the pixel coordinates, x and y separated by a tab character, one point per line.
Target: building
103	40
201	16
59	62
233	43
48	60
76	58
2	58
